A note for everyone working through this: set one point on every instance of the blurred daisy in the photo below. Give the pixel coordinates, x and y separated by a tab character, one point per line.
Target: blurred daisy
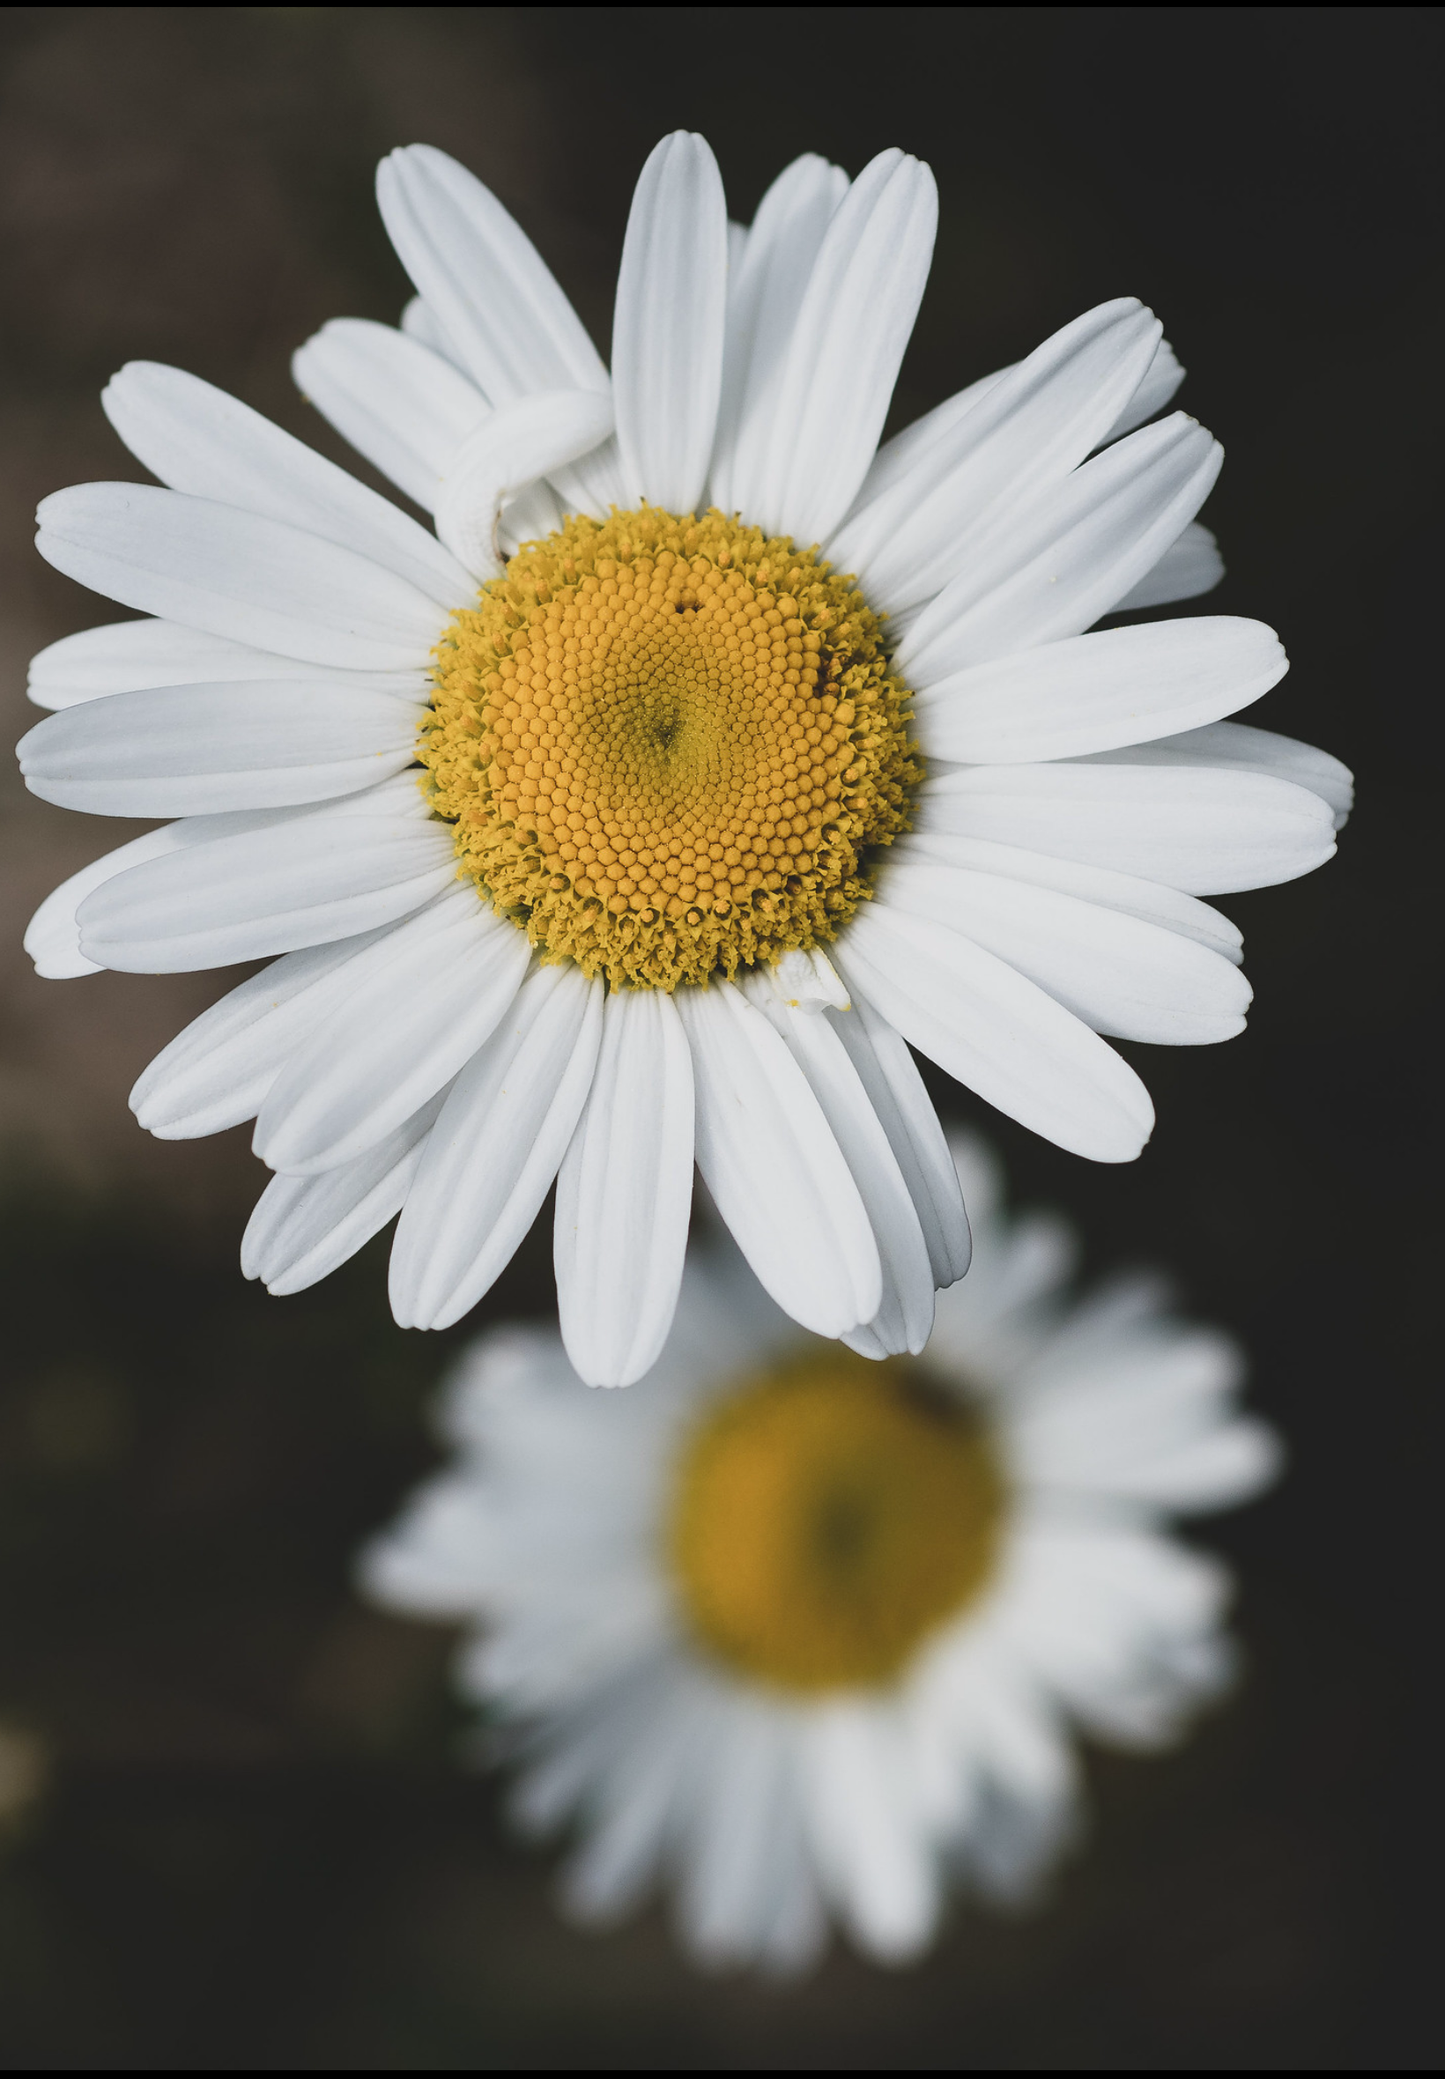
637	915
799	1636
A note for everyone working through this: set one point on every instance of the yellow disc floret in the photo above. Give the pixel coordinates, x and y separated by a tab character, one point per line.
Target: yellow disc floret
668	746
828	1517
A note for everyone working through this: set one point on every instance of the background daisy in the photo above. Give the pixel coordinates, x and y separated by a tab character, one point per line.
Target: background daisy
704	843
800	1638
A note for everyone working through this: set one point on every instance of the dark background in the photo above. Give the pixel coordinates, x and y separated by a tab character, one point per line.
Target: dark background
254	1849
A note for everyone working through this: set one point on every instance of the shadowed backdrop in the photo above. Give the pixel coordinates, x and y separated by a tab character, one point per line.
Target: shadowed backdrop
242	1840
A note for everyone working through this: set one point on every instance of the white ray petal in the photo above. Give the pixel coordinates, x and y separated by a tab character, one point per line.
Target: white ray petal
136	656
302	1228
203	443
764	296
776	1172
1120	974
509	451
895	1089
1240	747
1095	692
495	1149
905	1314
270	890
624	1193
1151	900
238	574
997	1032
1070	556
876	1863
420	322
847	343
900	455
1038	422
1204	831
668	325
420	1003
217	1071
52	937
398	402
202	750
494	296
1158	384
1188	568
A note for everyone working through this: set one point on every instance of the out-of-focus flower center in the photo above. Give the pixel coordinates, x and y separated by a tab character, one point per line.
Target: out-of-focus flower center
668	746
828	1517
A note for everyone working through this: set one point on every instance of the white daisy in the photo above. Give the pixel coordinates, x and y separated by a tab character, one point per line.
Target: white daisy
796	1635
663	752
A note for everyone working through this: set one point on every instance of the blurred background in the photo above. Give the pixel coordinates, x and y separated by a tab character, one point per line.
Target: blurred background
231	1829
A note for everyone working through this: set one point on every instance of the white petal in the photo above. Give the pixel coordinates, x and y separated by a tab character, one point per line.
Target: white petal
777	1175
538	511
765	292
741	1804
1151	900
667	328
624	1193
905	1314
495	1149
1158	384
847	343
397	401
1188	568
1120	974
199	750
1069	557
1094	692
421	323
238	574
875	1863
997	1032
898	457
493	295
217	1071
52	937
1238	747
1204	831
506	453
801	981
132	656
199	441
895	1089
1232	1464
265	891
303	1227
1033	426
421	1001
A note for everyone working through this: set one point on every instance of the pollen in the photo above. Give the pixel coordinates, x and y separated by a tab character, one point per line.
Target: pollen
830	1516
669	747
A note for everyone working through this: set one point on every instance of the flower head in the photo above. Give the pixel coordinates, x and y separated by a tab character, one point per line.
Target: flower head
797	1636
704	758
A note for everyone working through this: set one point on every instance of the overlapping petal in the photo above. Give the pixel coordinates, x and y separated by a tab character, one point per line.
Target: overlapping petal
238	574
624	1193
201	750
667	330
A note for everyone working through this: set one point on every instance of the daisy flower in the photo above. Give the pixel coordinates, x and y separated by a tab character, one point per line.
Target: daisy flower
799	1636
750	754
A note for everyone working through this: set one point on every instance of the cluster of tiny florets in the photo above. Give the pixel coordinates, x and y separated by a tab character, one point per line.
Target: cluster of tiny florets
668	746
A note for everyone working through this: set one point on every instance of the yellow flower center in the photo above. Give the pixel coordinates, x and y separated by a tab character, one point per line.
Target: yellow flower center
828	1517
668	746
